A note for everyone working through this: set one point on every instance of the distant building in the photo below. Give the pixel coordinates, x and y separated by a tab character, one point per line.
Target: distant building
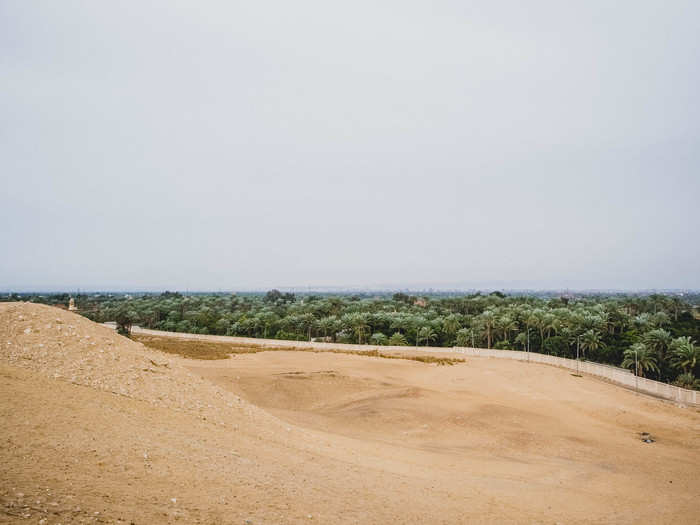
71	305
420	301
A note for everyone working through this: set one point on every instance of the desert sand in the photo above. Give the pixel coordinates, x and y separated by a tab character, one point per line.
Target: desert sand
98	428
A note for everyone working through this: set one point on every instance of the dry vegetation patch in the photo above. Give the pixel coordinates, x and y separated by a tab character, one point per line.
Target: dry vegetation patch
420	358
194	348
199	349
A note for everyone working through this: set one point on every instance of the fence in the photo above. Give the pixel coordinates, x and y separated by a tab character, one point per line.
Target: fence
613	374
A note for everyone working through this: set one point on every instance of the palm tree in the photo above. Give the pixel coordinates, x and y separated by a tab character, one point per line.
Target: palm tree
643	321
328	324
267	319
398	339
660	319
658	340
426	334
465	337
506	324
590	340
358	322
617	318
643	356
416	323
685	355
677	305
451	324
552	324
378	339
531	319
539	322
487	320
306	322
400	322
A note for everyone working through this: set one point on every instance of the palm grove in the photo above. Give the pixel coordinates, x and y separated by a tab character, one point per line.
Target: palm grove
655	334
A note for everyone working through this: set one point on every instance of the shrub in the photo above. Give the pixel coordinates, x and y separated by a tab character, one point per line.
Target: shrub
503	345
688	381
398	339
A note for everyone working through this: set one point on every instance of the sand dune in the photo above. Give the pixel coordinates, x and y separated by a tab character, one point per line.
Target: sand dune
97	428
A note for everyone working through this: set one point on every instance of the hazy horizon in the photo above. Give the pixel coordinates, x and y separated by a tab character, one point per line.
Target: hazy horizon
221	146
340	289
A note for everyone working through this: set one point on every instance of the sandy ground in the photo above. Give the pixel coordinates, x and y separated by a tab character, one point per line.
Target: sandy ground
96	428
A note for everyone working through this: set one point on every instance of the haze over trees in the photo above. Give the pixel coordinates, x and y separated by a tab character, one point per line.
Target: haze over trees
656	335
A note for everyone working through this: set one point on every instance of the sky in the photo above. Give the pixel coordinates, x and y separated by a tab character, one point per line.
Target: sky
250	145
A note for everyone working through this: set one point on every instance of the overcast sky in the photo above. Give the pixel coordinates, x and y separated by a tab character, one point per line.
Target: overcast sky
232	145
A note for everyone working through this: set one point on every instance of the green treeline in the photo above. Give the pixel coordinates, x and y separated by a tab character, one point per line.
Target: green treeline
660	330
